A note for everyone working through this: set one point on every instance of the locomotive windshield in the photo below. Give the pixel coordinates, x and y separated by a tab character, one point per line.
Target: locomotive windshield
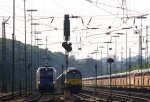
46	73
69	76
73	75
77	75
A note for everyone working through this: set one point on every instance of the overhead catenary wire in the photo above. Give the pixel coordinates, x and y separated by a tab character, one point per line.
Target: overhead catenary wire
104	4
48	18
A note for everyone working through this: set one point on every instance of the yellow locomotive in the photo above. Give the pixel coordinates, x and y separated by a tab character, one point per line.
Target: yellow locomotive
70	79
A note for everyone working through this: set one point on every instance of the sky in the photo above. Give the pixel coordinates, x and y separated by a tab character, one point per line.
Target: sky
97	22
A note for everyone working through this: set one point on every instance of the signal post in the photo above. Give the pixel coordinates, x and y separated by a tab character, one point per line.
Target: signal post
67	46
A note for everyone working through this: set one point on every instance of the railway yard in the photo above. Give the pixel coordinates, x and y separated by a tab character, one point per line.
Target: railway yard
87	95
102	56
71	87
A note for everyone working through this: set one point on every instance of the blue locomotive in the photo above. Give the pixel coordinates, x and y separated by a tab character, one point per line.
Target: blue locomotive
46	79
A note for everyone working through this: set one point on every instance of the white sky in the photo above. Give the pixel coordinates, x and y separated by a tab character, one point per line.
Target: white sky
103	13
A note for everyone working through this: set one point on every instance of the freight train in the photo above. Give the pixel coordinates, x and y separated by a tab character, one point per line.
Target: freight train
137	80
46	79
71	79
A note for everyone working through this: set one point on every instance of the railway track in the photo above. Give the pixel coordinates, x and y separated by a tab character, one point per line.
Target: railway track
134	97
85	96
41	98
82	97
9	96
46	98
120	97
104	97
33	98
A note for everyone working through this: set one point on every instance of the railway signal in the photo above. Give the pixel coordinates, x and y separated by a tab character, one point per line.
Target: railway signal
67	28
67	46
110	61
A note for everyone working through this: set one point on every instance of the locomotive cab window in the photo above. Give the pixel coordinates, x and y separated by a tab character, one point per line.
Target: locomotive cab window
77	75
69	76
74	75
45	73
50	73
